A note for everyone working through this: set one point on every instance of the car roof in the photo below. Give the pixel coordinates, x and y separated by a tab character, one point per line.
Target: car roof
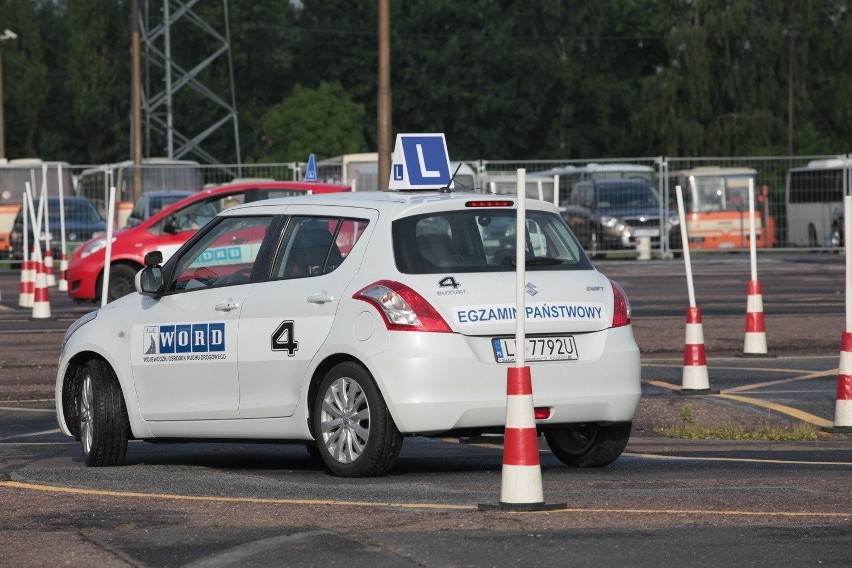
395	202
229	188
159	192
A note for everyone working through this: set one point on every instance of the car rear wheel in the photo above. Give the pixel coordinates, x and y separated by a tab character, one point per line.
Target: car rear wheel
122	281
355	433
589	445
104	427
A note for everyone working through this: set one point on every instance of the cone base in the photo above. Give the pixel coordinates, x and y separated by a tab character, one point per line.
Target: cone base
522	507
757	355
686	392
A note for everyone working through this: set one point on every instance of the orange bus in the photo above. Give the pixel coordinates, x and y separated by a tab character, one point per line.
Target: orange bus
13	175
716	207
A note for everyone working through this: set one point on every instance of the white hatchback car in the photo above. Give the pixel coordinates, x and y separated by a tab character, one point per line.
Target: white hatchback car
350	321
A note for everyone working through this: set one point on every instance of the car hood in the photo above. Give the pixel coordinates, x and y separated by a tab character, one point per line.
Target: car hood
631	212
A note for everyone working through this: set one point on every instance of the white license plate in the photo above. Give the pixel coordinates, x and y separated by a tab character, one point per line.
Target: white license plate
646	232
554	348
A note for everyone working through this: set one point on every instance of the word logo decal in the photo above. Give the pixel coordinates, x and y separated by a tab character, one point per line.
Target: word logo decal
184	342
534	312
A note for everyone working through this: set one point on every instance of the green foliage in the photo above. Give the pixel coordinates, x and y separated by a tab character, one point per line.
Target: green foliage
321	121
504	79
765	432
686	414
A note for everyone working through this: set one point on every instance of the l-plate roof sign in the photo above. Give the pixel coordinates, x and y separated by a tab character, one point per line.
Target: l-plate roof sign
420	161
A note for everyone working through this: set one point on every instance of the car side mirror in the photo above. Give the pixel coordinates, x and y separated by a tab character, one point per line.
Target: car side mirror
149	280
153	258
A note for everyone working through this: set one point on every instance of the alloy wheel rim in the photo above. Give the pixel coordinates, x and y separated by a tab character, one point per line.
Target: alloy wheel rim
86	414
345	420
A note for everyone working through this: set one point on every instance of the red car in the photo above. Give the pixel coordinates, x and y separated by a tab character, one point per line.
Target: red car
167	231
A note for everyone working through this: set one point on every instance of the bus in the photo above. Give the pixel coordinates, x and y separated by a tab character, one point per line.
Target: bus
13	175
716	206
815	202
156	174
537	187
361	172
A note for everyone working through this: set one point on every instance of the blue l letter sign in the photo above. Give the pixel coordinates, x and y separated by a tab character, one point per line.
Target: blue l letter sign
420	161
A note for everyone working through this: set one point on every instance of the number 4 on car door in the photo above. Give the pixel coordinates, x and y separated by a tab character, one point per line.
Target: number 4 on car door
284	339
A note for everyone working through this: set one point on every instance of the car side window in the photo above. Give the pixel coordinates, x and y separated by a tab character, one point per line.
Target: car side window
224	256
313	246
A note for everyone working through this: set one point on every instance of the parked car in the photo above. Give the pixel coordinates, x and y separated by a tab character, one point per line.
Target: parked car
611	214
151	202
349	321
82	222
166	231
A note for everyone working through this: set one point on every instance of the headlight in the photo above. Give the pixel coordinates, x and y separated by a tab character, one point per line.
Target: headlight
93	247
613	223
81	321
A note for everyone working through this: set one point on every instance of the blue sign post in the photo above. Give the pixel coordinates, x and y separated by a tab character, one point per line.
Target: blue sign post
420	161
311	170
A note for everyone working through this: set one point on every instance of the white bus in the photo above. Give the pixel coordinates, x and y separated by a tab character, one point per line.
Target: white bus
537	187
361	172
815	201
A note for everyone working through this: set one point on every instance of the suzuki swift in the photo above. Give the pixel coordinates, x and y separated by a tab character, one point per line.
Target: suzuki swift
349	322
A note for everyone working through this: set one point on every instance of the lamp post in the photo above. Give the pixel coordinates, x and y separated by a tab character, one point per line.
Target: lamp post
7	34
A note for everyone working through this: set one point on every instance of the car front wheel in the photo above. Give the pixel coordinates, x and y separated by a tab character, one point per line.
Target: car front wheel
104	427
589	445
122	281
355	433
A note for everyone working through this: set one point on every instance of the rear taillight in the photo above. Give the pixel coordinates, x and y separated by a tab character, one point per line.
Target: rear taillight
402	308
620	306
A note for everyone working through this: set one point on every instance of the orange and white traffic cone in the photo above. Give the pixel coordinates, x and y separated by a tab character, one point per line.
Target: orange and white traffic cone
755	333
62	283
843	405
695	377
26	289
41	298
50	276
521	488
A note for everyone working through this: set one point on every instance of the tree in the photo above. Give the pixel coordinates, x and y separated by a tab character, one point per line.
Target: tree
26	79
321	121
99	77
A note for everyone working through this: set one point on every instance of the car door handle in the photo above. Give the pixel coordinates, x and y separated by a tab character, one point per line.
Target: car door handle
227	306
320	298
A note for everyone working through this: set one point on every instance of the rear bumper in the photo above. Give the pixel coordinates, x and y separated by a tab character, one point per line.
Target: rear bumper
463	388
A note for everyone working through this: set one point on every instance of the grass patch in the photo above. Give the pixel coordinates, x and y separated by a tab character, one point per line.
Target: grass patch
691	430
765	432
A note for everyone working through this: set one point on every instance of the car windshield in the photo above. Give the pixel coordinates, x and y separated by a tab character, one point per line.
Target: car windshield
79	210
477	240
719	193
627	195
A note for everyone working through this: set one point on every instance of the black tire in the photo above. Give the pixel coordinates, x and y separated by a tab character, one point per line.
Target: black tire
313	451
589	445
122	281
104	428
355	433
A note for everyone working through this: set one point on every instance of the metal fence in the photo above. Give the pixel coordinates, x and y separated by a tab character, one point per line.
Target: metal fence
613	205
715	191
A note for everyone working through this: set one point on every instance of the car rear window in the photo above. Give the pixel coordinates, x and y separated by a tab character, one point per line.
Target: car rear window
478	240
